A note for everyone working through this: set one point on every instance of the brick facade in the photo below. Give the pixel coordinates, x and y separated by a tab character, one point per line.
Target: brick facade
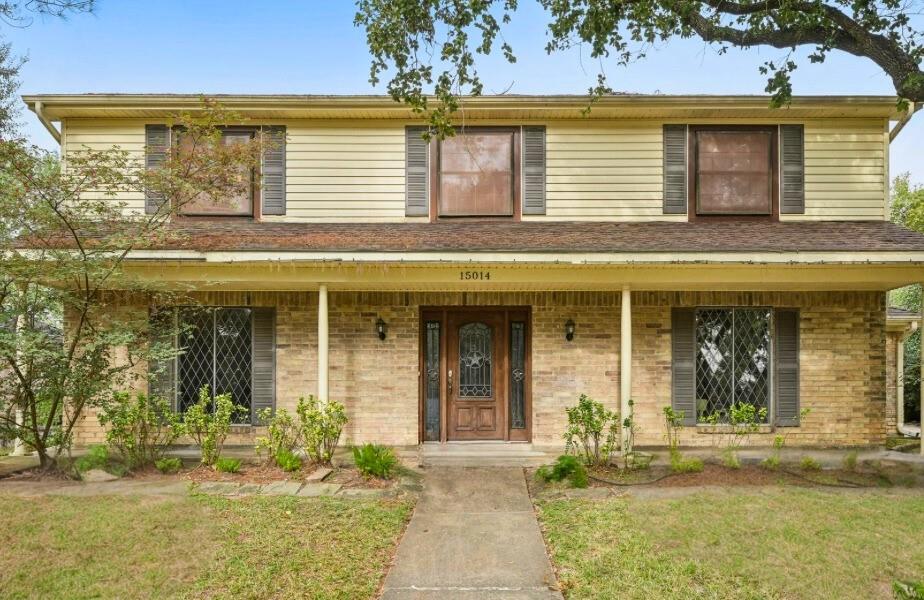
843	358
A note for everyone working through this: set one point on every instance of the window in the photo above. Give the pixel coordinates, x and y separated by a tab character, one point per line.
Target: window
477	173
240	204
735	170
216	349
733	359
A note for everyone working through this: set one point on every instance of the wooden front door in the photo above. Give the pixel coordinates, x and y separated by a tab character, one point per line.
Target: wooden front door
475	374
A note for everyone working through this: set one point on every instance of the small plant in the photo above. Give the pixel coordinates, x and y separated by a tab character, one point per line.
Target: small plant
170	464
283	433
567	467
679	464
593	431
730	459
321	424
908	590
742	419
809	464
208	421
850	461
673	419
97	457
773	461
140	428
227	465
374	460
288	461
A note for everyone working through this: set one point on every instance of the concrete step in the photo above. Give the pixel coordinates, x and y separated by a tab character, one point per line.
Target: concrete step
481	454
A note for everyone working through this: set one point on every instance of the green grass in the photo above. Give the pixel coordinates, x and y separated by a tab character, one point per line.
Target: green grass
786	543
196	547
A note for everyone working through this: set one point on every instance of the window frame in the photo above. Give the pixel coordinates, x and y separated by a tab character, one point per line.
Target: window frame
516	175
771	364
693	174
255	178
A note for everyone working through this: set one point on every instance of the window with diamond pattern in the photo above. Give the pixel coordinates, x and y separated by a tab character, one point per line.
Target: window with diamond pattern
733	350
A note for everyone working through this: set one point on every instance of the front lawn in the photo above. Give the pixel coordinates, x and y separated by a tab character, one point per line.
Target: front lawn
167	547
776	543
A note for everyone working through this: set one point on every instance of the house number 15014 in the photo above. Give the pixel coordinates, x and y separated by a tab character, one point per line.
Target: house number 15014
474	275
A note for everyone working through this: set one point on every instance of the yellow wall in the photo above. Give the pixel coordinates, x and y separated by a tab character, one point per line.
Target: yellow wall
596	170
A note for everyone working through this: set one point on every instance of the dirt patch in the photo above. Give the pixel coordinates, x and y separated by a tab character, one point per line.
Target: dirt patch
351	478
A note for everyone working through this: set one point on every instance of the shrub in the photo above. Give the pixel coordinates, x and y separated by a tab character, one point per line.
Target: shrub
168	465
850	461
730	459
772	462
374	460
567	467
283	433
321	424
908	590
589	424
679	464
673	421
208	421
97	457
227	465
809	464
288	461
140	428
742	419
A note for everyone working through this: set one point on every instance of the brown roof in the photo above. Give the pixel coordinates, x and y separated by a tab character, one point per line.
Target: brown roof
559	237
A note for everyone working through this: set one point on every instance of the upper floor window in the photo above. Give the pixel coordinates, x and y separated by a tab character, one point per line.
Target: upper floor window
240	204
734	170
477	173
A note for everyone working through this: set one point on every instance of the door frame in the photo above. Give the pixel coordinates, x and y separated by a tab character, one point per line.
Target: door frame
439	313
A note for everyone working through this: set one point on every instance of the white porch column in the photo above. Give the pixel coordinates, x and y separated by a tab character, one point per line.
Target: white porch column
322	344
625	358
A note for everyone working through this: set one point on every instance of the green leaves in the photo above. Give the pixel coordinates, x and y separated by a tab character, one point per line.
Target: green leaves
321	424
208	422
593	431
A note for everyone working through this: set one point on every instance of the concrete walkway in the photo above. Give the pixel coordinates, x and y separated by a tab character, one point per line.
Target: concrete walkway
473	535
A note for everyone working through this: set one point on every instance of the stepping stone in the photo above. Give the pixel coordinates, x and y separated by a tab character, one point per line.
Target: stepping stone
281	488
249	489
319	474
219	488
98	476
364	493
312	490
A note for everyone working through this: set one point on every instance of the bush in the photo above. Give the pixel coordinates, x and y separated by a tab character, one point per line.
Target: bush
908	590
730	459
850	461
284	434
593	431
208	421
97	457
374	460
809	464
567	467
140	428
227	465
288	461
772	462
169	465
679	464
321	424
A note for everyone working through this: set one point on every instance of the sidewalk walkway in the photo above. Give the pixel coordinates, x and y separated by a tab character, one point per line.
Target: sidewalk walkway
473	535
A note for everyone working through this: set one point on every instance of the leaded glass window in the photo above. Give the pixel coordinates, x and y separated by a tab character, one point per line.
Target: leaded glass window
432	383
733	350
475	368
216	350
517	375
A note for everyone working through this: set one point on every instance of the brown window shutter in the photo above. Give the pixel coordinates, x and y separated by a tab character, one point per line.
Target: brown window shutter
675	169
792	184
162	373
786	357
683	350
534	170
156	146
416	172
263	371
274	171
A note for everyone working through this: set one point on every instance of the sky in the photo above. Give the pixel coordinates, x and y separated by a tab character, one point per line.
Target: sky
312	47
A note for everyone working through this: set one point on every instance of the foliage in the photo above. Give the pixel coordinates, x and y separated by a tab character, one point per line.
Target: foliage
809	464
374	460
737	424
288	461
170	464
97	457
908	590
773	461
673	421
140	428
227	465
437	43
680	464
208	422
631	458
321	424
283	433
592	432
850	461
567	467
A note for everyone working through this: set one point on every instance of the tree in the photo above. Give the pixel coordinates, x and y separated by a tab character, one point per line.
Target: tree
907	209
64	240
405	35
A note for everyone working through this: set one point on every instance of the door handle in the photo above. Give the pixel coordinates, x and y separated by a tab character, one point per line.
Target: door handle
449	382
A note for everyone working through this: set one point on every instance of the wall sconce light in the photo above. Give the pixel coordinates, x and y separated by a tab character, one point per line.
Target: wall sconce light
569	330
381	328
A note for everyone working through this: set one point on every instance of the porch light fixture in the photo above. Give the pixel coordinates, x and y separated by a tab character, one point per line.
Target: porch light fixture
569	330
381	328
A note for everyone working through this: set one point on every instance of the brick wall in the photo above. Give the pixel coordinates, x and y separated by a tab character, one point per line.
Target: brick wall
843	351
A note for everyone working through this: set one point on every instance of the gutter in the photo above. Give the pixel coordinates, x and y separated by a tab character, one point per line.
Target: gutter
904	120
55	133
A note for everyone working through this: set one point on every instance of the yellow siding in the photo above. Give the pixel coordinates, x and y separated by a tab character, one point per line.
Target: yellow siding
596	170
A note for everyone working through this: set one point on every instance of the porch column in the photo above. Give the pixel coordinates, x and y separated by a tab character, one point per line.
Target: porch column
322	344
625	359
900	382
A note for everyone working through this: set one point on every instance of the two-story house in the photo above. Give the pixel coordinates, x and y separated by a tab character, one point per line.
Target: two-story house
685	251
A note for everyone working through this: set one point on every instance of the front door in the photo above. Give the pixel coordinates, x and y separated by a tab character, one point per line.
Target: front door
475	374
